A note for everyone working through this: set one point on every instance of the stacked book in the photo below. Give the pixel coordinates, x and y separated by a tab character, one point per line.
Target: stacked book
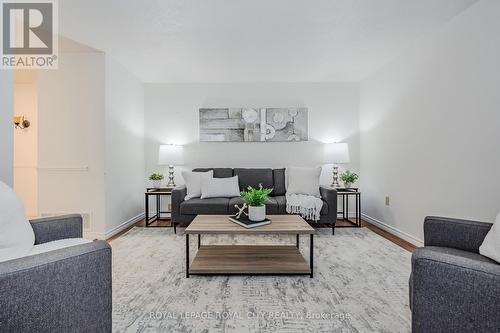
244	221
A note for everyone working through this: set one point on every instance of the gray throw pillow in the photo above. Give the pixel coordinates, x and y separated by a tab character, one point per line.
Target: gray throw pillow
220	187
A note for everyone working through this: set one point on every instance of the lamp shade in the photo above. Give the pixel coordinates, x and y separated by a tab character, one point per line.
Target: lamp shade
337	153
170	155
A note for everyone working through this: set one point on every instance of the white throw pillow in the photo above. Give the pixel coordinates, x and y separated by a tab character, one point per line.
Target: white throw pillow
491	244
16	234
220	187
303	181
193	182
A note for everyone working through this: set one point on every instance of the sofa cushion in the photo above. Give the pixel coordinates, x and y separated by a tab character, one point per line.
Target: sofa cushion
57	245
281	201
460	255
205	206
218	172
459	259
272	206
254	177
235	201
279	182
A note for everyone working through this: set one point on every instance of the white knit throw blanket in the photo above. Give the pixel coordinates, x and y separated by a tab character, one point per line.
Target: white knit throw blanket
308	206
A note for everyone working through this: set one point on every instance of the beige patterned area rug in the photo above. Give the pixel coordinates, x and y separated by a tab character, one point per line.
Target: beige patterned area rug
360	285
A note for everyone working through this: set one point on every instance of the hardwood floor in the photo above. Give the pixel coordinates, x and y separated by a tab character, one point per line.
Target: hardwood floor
157	224
387	235
340	224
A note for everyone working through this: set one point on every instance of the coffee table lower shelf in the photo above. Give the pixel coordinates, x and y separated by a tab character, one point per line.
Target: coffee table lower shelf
248	259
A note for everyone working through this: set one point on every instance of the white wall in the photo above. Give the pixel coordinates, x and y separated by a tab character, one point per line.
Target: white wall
91	142
430	120
172	116
71	138
26	141
6	126
124	147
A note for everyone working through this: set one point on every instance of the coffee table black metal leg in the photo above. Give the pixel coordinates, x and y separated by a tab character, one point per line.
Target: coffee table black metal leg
173	223
297	240
199	240
311	254
187	255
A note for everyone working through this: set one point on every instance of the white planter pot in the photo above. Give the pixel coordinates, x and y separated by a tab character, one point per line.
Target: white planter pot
156	183
257	213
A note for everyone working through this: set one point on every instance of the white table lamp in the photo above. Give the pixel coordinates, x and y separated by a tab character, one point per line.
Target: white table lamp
170	155
336	153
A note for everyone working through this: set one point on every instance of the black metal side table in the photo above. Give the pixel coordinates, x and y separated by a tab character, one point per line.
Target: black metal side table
158	193
345	193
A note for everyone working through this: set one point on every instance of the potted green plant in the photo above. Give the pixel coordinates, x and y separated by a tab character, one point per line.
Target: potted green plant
256	199
156	179
348	178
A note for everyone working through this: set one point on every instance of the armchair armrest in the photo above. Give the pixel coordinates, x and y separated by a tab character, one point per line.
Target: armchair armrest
54	228
454	292
329	195
455	233
66	290
178	195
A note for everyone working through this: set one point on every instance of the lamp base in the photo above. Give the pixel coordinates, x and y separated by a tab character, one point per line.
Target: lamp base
335	182
171	182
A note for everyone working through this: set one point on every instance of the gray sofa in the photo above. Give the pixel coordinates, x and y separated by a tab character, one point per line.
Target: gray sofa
186	211
66	290
452	287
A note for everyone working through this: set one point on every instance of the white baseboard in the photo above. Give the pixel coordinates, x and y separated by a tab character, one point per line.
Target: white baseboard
395	231
110	233
350	215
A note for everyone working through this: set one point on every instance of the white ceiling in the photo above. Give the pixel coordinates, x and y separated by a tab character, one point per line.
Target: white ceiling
253	40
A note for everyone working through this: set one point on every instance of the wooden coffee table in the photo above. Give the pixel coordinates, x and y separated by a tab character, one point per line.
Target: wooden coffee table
249	259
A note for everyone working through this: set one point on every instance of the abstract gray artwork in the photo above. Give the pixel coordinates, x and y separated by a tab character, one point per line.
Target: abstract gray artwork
253	124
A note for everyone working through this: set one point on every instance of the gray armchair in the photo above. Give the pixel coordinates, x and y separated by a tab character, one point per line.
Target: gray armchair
452	287
66	290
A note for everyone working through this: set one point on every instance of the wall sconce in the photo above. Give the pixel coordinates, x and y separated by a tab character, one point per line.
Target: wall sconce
20	122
